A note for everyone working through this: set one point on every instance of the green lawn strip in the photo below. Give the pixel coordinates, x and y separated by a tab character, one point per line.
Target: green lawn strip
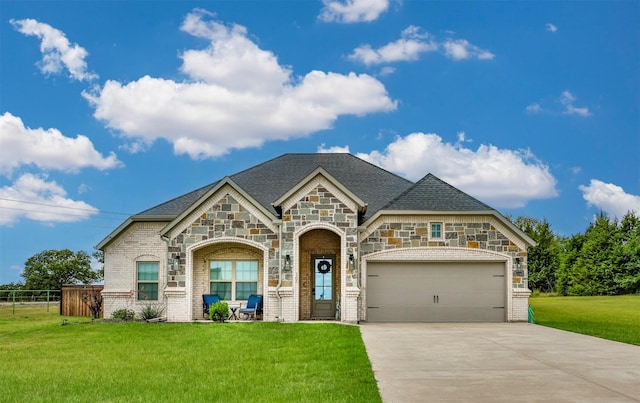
609	317
182	362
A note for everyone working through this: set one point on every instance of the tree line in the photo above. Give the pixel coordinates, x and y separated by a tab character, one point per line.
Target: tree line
604	260
51	269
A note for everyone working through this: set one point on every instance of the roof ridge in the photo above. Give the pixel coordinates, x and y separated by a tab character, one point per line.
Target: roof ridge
378	167
450	188
458	190
413	186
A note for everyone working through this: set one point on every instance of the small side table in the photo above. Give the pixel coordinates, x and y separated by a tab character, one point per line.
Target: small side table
234	312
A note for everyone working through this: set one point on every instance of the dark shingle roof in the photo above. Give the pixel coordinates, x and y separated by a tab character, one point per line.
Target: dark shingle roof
176	206
432	193
380	189
268	181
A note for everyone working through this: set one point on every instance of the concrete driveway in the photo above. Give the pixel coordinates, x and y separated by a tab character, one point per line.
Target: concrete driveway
503	362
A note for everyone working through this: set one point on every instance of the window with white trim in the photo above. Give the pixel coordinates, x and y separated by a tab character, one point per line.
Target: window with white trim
436	230
233	280
147	276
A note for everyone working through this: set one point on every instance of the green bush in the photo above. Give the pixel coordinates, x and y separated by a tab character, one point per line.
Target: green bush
151	311
219	311
123	314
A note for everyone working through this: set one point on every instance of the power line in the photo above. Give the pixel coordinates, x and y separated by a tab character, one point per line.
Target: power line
63	214
63	207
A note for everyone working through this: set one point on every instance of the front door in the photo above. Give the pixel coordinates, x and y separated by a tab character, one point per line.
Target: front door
322	295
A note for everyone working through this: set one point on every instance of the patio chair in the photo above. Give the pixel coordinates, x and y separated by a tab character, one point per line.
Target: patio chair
254	307
207	301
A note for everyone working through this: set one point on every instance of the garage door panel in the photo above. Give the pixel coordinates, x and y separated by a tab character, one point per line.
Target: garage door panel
401	313
436	292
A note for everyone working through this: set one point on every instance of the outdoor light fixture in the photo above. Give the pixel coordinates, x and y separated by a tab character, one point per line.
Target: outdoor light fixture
176	263
517	262
287	263
351	261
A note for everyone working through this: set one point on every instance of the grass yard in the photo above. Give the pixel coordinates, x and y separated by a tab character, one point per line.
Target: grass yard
179	362
614	317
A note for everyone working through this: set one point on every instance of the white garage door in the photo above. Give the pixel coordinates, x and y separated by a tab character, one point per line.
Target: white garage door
436	292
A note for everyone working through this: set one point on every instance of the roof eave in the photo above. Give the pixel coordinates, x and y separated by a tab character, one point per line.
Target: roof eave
134	218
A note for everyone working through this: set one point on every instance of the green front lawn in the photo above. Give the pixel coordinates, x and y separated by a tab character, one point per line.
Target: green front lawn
614	317
232	362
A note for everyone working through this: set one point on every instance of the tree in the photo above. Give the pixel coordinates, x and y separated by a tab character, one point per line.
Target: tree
628	255
12	286
543	259
570	248
51	269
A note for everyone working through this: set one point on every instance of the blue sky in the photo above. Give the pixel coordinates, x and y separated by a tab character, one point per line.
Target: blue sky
108	108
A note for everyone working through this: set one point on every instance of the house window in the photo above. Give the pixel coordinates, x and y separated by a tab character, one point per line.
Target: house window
233	280
436	230
148	281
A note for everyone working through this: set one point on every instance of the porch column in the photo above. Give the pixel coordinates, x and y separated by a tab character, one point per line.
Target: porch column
176	308
349	305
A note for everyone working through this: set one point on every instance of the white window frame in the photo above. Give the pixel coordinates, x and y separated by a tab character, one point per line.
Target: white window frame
234	281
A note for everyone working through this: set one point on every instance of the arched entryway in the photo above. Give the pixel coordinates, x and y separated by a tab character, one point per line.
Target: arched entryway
319	260
233	268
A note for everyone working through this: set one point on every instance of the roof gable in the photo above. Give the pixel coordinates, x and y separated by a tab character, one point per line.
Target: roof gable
227	186
271	181
312	180
433	194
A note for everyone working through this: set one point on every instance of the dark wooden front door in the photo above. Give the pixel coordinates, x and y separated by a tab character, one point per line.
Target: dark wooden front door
323	304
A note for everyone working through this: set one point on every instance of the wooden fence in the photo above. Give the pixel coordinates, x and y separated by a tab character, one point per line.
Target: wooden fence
78	299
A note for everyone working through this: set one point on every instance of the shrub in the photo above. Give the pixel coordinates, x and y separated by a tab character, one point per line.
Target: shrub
219	311
123	314
151	311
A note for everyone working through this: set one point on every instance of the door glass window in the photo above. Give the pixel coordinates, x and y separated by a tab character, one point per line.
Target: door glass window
324	278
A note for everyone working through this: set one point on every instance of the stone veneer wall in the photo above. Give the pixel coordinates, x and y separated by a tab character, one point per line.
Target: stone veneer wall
475	232
320	205
228	218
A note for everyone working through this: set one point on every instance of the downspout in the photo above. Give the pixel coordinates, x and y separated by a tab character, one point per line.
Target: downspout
279	317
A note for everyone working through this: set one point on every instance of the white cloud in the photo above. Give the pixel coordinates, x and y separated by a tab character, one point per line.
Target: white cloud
35	198
534	108
386	70
350	11
322	149
610	198
412	43
499	177
462	138
57	51
567	99
238	96
461	49
47	149
550	28
232	61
